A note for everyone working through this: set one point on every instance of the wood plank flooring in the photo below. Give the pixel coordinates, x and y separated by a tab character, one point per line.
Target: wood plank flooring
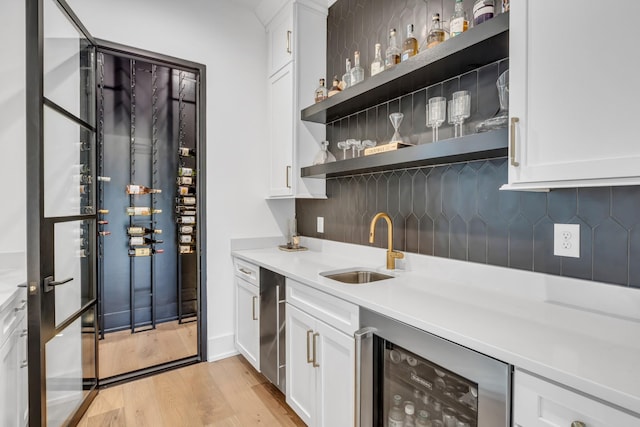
226	393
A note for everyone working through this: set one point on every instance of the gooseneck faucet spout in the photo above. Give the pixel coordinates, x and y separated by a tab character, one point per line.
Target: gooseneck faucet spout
391	254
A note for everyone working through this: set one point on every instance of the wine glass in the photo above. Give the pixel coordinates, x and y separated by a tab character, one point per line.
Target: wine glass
396	119
436	112
368	143
353	144
344	146
358	146
460	110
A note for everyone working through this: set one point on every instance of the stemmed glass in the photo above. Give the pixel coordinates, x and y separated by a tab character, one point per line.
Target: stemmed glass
353	143
368	143
357	146
396	119
459	110
436	113
344	146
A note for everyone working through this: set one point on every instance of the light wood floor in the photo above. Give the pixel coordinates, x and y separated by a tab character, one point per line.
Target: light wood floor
227	393
123	351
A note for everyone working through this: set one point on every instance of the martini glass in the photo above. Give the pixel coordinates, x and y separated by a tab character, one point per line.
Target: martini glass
396	120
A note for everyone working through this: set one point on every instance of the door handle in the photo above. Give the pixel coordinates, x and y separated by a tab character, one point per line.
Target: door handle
512	148
315	351
49	284
288	41
254	299
309	334
288	173
359	335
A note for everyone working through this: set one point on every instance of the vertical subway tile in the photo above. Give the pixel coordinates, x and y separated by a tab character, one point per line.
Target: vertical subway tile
434	191
382	124
406	108
521	244
458	238
371	127
625	205
467	193
393	194
543	259
498	241
488	104
426	237
533	206
562	204
450	197
477	251
594	204
441	236
634	257
419	120
412	232
610	257
419	193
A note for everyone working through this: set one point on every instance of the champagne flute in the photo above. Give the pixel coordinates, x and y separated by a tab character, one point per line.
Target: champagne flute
436	112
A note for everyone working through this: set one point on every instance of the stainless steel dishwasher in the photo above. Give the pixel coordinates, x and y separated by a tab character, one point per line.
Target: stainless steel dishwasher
272	328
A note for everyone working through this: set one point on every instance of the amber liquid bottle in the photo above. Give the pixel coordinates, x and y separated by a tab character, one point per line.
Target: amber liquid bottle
410	44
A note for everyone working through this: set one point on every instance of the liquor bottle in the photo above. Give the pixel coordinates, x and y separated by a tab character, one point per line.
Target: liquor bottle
185	190
396	414
346	77
335	88
141	240
185	238
357	72
187	219
186	249
142	210
185	180
378	64
436	34
410	44
186	200
103	211
141	189
483	10
186	152
186	229
182	171
144	251
104	233
392	54
459	23
104	178
136	230
321	92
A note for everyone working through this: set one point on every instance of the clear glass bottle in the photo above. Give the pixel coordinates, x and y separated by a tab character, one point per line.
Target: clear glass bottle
483	10
396	414
393	52
321	92
459	22
378	64
422	419
436	34
409	411
335	87
410	44
357	72
346	77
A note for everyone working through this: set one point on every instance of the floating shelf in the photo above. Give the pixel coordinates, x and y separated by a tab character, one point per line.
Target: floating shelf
466	148
472	49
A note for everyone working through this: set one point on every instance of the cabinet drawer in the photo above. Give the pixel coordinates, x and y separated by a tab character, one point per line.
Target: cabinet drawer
12	313
338	313
247	271
540	403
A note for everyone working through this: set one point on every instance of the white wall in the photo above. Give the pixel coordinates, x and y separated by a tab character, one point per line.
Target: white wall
228	38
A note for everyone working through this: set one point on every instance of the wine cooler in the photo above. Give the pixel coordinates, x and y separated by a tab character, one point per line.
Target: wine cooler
405	375
149	164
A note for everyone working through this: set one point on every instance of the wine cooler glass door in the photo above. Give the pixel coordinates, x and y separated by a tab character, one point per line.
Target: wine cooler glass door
61	214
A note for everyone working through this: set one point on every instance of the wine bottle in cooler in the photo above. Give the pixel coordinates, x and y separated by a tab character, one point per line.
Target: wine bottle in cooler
141	240
186	152
144	251
141	189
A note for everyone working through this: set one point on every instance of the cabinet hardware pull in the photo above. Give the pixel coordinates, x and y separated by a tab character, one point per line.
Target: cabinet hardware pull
512	149
315	351
309	359
24	333
24	364
288	173
288	41
254	299
247	272
22	306
578	424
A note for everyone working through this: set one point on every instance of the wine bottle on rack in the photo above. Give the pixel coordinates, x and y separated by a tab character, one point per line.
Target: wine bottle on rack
185	180
104	178
185	190
186	152
103	222
191	200
144	251
141	189
186	249
186	238
141	240
186	229
142	210
182	171
190	219
185	210
104	233
136	230
103	211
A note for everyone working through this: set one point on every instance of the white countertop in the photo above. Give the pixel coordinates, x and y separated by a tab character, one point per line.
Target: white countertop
12	274
582	334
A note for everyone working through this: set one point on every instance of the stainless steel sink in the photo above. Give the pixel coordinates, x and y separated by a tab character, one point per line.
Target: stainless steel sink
356	276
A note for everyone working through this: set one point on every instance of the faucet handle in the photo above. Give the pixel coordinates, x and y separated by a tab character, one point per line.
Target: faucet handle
396	255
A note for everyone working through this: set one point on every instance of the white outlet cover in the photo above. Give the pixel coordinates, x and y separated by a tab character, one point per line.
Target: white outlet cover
320	224
566	240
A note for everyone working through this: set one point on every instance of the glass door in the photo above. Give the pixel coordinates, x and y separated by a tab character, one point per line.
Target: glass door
61	214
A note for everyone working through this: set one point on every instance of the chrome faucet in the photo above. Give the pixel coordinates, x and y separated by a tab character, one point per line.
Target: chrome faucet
391	254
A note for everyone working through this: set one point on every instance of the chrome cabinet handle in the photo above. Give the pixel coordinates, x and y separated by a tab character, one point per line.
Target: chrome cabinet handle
247	272
253	301
578	424
512	148
288	173
288	41
309	359
315	351
358	336
49	284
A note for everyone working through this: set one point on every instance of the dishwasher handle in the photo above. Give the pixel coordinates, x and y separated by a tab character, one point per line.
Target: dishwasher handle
363	375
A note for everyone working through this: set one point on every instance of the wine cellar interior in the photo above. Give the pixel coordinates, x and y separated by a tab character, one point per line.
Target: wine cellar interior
148	210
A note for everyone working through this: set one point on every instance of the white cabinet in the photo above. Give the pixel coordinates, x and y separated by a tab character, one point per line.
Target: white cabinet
297	38
13	391
247	336
572	100
23	374
320	357
538	403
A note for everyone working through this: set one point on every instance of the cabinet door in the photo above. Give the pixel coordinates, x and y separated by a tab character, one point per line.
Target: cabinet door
301	375
280	39
281	132
335	353
9	375
538	403
574	97
23	377
247	322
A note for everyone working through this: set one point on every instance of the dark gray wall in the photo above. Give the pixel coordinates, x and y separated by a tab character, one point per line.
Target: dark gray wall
457	211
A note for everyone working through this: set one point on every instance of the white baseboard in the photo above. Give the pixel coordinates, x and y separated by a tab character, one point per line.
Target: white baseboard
221	347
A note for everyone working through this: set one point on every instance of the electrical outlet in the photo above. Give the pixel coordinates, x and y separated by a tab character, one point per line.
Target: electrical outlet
320	224
566	240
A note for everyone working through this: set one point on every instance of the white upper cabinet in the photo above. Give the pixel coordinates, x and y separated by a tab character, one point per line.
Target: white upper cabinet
280	40
573	97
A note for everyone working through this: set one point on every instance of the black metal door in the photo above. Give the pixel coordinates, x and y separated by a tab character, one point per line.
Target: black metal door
61	214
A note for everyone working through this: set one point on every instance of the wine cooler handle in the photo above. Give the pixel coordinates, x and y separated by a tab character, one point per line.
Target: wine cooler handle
309	335
361	335
512	148
49	284
315	363
287	177
288	41
253	309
